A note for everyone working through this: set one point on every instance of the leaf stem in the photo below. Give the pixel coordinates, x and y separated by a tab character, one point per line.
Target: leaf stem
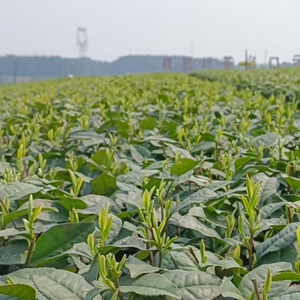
194	255
289	214
15	225
119	291
162	210
151	258
217	151
254	281
30	252
250	253
214	244
160	258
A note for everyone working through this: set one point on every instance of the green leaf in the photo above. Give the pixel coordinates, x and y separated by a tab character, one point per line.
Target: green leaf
208	137
267	210
14	253
191	223
182	166
140	150
149	285
115	126
116	227
182	259
242	161
25	276
81	249
288	254
184	153
137	267
288	275
11	232
226	264
170	127
267	140
283	239
91	273
3	166
18	190
51	212
85	135
260	274
292	293
95	204
101	159
105	184
92	294
201	196
209	214
294	183
253	168
62	285
93	199
17	292
132	241
269	186
228	289
69	203
195	285
148	123
126	243
59	239
204	146
136	155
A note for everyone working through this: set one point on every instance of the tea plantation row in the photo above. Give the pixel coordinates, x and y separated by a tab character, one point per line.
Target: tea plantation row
152	187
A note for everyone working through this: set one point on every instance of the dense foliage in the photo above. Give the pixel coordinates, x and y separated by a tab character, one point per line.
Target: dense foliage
151	187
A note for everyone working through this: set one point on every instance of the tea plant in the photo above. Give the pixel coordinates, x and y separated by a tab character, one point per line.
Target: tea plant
151	187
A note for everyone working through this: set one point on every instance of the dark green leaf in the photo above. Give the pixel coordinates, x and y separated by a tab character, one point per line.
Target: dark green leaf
195	285
105	184
283	239
59	239
17	292
149	285
182	166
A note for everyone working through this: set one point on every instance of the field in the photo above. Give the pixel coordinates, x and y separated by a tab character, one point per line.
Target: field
153	187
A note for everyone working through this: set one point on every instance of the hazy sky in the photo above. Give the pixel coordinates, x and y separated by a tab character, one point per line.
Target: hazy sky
121	27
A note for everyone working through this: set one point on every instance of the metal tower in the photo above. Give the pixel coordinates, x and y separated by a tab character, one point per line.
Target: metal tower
296	60
271	61
82	41
228	62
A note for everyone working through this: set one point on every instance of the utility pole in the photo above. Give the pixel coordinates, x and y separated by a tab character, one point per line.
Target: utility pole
253	62
15	70
246	59
266	58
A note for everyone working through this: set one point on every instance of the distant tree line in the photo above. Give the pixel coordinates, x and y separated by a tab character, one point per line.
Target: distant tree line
27	68
42	67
